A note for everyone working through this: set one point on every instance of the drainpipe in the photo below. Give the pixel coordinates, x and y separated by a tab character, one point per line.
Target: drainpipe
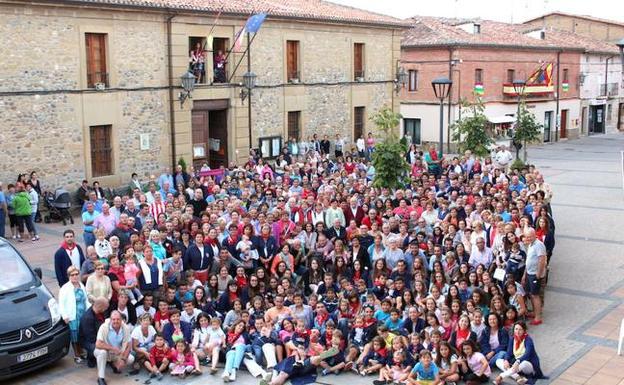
448	120
557	118
171	98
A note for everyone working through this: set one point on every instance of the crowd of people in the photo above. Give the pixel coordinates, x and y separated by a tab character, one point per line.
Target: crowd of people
299	266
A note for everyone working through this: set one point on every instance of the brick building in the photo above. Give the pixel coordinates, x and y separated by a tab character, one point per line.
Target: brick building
90	88
485	57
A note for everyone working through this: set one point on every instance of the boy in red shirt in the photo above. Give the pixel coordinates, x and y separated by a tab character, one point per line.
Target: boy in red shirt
158	361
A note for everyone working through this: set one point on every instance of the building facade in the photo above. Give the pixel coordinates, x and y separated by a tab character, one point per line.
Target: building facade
483	58
91	89
588	26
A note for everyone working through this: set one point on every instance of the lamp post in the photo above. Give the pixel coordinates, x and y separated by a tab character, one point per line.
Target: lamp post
401	80
441	88
188	85
249	83
518	86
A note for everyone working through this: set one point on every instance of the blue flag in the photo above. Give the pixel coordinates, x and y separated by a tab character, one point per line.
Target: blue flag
254	22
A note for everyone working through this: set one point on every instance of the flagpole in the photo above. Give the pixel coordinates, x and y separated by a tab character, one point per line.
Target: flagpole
212	28
249	93
241	59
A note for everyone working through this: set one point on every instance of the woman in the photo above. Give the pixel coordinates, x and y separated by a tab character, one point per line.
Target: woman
521	361
494	340
308	235
98	284
72	305
283	256
462	333
158	249
237	340
313	277
177	330
473	365
357	272
376	250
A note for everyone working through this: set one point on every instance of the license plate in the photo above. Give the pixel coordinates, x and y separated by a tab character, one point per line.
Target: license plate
32	355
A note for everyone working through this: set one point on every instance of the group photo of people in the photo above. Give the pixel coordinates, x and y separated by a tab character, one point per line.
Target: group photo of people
296	268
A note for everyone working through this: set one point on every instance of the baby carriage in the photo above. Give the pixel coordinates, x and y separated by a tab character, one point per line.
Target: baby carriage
58	205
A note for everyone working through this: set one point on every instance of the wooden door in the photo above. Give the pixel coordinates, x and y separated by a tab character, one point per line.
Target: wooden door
292	60
199	123
218	138
358	60
563	124
96	59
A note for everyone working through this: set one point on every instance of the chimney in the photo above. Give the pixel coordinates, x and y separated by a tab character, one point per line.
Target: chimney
476	28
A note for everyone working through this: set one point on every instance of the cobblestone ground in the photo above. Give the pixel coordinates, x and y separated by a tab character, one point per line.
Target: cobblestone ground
583	301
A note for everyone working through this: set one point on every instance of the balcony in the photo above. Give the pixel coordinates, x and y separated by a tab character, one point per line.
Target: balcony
358	75
529	90
609	89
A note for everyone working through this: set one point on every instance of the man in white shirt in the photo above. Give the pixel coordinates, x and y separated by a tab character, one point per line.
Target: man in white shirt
190	313
503	157
480	255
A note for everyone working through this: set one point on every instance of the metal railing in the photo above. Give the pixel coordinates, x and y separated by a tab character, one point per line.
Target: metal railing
96	78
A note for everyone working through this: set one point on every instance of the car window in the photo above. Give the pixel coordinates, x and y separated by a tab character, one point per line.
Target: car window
13	272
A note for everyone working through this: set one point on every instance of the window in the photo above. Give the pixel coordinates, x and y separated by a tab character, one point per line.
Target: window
358	122
511	74
412	84
292	61
565	75
476	28
197	58
478	76
294	121
96	59
270	147
411	130
609	112
358	61
101	150
220	48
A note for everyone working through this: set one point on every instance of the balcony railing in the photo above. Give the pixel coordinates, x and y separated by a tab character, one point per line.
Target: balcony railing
529	90
609	89
294	77
97	80
358	76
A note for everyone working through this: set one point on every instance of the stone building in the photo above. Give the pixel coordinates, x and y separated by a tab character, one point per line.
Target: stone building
483	58
91	88
584	25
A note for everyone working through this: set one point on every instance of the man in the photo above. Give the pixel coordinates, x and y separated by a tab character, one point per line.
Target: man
88	217
278	312
3	211
113	345
97	204
165	178
198	258
106	220
144	214
198	202
534	272
123	231
158	206
337	231
181	176
371	218
83	192
503	157
131	209
69	254
480	255
88	267
334	212
354	212
325	144
339	146
90	323
117	208
516	185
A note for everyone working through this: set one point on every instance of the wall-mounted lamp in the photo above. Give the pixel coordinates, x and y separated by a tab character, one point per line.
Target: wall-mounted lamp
188	85
401	79
249	83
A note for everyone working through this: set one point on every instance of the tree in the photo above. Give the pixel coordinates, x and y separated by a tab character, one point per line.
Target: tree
389	160
470	131
527	130
182	163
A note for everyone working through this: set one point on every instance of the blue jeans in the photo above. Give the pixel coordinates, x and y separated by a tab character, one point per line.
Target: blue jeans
257	352
234	357
2	222
499	355
89	239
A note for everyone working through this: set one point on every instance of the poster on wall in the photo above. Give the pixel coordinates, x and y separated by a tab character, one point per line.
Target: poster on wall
144	142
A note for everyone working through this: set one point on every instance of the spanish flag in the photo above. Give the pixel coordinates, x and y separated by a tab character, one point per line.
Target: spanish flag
542	76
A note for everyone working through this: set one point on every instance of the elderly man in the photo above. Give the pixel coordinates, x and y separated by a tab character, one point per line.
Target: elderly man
113	345
535	271
503	157
88	217
354	212
106	220
97	204
117	208
480	255
90	323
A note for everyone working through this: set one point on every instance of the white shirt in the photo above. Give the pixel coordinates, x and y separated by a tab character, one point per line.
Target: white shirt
190	318
141	310
143	340
74	257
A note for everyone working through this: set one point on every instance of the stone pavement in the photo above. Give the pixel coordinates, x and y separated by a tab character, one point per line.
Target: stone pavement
584	307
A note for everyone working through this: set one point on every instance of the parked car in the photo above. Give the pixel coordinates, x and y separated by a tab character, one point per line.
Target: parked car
32	333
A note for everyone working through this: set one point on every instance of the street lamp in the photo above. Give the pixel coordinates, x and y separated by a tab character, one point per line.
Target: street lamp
401	80
188	85
519	86
249	83
442	89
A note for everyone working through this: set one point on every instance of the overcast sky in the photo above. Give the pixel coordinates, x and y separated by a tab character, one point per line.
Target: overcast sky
501	10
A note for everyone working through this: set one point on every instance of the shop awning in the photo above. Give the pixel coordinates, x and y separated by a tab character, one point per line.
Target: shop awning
501	119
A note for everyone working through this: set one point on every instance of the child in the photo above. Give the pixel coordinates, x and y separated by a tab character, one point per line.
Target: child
394	322
300	340
183	360
375	359
241	277
335	363
246	254
358	338
446	361
425	371
173	267
330	300
396	371
162	315
130	274
199	343
414	347
103	248
158	357
447	323
216	341
383	314
432	343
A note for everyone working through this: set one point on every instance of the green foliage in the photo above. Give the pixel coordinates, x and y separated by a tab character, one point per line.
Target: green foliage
517	164
182	163
470	131
527	130
391	167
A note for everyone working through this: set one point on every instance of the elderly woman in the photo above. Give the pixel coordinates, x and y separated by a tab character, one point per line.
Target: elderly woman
72	305
98	284
157	247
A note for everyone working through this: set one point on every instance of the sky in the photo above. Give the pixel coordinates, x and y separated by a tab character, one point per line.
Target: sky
501	10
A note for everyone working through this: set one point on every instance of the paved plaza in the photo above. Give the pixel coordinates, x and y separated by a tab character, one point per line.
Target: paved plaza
584	299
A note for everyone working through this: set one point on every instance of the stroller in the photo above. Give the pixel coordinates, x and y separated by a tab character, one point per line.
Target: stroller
58	205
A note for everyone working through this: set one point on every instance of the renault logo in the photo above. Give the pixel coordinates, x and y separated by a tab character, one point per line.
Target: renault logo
27	334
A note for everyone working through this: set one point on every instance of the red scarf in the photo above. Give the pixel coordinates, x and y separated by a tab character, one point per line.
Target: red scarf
210	241
462	335
67	247
232	337
518	341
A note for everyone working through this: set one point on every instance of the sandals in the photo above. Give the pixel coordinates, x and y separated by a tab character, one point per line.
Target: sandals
78	360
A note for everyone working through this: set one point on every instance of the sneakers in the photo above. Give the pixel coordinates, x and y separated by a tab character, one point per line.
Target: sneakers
153	375
233	375
324	372
160	376
522	380
380	382
267	376
225	376
213	370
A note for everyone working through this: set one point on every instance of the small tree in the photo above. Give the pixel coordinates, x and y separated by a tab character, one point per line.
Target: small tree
182	163
527	130
389	161
470	131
